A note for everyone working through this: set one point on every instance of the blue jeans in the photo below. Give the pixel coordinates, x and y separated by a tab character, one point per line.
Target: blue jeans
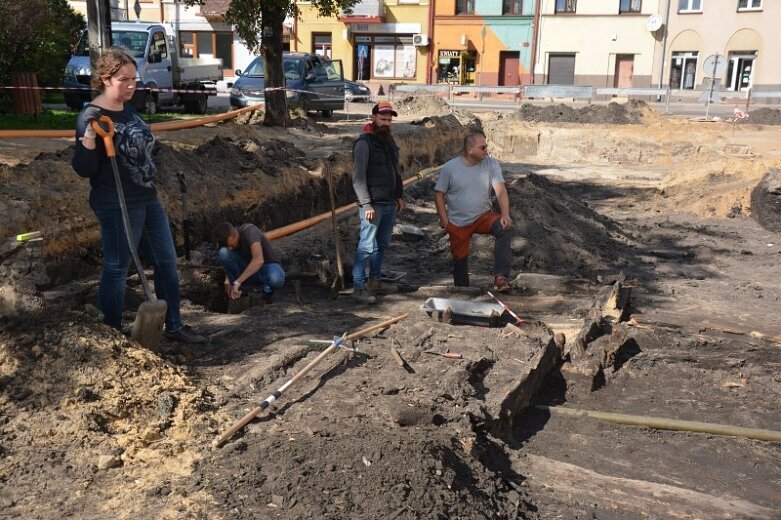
269	276
374	239
149	225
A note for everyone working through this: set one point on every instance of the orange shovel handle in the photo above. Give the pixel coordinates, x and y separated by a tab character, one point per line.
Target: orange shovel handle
106	133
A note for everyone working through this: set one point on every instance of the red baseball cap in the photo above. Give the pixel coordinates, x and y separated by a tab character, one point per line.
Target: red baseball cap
384	107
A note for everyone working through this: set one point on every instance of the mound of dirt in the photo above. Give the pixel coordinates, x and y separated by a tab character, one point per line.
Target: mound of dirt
559	233
554	232
765	116
423	104
429	474
632	112
766	201
105	404
714	187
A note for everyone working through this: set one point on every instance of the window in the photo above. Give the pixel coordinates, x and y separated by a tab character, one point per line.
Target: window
385	57
749	5
205	44
565	6
689	6
629	6
158	46
683	70
321	44
133	41
512	7
465	6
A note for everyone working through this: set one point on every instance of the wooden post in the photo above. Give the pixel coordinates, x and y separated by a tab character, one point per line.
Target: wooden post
25	94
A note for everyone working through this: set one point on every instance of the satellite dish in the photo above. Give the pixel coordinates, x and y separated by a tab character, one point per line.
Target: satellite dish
654	22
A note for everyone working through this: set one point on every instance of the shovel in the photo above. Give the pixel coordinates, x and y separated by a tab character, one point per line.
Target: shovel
339	281
185	217
148	327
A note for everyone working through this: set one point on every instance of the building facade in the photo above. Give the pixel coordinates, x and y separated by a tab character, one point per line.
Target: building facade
600	43
482	42
377	41
745	32
200	30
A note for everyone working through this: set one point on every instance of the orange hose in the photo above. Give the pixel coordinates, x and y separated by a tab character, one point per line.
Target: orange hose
155	127
301	225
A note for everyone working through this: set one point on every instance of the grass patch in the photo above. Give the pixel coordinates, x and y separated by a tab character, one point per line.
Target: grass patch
57	119
50	96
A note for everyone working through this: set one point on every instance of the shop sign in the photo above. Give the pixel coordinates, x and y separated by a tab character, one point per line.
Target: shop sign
386	28
449	54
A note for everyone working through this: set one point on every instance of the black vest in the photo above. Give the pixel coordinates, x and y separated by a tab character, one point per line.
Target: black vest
381	169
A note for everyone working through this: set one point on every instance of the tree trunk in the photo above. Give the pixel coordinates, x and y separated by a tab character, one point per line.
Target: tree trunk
271	50
99	28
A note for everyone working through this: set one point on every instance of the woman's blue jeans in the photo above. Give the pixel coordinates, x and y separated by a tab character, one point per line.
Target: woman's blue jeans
152	235
269	276
375	237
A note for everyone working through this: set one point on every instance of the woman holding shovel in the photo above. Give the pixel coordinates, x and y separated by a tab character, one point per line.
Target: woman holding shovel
115	77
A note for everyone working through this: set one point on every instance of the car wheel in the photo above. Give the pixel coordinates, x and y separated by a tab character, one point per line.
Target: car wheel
150	106
74	103
303	104
327	113
197	104
349	96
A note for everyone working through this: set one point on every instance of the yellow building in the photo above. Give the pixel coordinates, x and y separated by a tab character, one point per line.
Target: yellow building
378	41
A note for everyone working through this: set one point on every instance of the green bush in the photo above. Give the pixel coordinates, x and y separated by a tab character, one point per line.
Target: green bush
42	43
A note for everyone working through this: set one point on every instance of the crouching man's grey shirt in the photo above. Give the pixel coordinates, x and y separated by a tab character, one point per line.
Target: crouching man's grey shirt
467	189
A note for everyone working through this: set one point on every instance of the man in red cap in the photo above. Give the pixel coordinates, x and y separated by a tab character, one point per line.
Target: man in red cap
378	189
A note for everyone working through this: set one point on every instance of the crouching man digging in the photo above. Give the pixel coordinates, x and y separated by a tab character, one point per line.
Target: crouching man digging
249	260
463	200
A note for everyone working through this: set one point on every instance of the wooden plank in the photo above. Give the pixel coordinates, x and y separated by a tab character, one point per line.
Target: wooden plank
636	498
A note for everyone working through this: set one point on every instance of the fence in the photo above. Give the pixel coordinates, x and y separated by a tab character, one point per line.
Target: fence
588	94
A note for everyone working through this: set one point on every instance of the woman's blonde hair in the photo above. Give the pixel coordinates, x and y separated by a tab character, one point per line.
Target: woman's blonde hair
108	64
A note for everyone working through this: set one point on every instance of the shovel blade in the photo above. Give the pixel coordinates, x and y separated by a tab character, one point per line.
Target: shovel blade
148	327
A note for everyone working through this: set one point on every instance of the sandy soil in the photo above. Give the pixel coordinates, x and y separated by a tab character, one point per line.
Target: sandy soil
93	426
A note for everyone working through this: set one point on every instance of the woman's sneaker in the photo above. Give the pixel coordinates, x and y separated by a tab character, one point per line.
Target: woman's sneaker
185	334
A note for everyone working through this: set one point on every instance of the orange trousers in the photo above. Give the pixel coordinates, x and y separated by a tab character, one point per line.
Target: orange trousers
461	236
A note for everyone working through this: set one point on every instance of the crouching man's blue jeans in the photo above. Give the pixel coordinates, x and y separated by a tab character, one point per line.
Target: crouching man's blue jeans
152	235
269	276
374	239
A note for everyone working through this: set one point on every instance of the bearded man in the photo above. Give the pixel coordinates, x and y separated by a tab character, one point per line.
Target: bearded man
378	189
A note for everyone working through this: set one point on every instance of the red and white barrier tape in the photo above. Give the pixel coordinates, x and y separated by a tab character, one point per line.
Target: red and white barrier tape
209	91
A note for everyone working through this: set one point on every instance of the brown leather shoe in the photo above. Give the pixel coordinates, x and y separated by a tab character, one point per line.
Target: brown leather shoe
501	284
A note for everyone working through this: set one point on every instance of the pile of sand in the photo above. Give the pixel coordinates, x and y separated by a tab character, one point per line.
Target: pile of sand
78	400
713	188
423	104
631	112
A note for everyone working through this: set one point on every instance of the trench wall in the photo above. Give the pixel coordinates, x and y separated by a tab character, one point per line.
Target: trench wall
233	172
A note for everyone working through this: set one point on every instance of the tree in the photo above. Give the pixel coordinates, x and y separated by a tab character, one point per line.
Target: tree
259	24
37	36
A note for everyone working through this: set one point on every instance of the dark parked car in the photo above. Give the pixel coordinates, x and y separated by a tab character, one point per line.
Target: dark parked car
356	92
314	83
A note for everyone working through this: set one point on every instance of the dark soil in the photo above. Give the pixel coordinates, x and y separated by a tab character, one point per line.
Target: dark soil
632	112
93	426
764	116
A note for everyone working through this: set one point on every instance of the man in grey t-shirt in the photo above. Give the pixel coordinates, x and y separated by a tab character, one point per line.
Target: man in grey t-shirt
463	199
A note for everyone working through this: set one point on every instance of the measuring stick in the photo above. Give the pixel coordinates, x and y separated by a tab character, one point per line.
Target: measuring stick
497	300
